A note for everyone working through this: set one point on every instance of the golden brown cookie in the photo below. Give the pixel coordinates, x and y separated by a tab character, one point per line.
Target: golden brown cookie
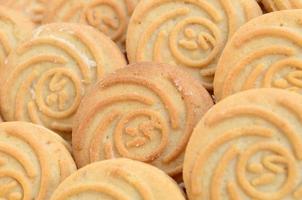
14	28
33	161
35	9
108	16
145	112
120	179
248	146
276	5
45	78
189	33
265	52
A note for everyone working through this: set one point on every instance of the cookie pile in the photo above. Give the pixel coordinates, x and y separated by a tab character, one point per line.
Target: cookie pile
150	99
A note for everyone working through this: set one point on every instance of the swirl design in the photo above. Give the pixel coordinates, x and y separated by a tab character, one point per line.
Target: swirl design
189	35
25	171
274	63
276	5
50	84
111	178
108	16
35	9
140	121
258	143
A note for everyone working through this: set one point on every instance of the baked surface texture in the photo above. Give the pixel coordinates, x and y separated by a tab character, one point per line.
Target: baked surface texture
108	16
144	112
26	170
118	179
14	28
248	146
266	52
46	76
190	34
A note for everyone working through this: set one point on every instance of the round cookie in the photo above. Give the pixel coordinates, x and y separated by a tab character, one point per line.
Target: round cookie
33	161
35	9
266	52
45	78
190	34
121	179
108	16
14	28
276	5
248	146
144	112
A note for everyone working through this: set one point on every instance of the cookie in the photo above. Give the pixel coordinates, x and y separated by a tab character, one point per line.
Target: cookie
35	9
26	170
248	146
190	33
263	53
14	28
118	179
108	16
276	5
144	112
45	77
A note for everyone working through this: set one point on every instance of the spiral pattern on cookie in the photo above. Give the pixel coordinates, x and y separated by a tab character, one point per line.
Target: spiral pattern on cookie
51	72
142	121
25	169
248	150
274	62
118	179
188	33
108	16
35	9
110	190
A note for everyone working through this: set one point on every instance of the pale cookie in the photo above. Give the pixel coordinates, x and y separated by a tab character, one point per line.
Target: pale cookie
108	16
248	146
14	28
119	179
45	78
276	5
145	112
265	52
33	161
190	34
35	9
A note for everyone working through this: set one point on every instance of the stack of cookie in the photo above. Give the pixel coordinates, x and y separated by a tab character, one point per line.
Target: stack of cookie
150	99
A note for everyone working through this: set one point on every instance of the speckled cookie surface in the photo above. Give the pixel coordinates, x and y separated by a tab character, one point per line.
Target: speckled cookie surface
248	146
266	52
46	76
188	33
145	112
26	170
121	179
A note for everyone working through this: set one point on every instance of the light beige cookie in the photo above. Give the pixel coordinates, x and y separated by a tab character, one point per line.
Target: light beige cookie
190	34
45	78
266	52
276	5
145	112
108	16
248	146
120	179
35	9
33	161
14	28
